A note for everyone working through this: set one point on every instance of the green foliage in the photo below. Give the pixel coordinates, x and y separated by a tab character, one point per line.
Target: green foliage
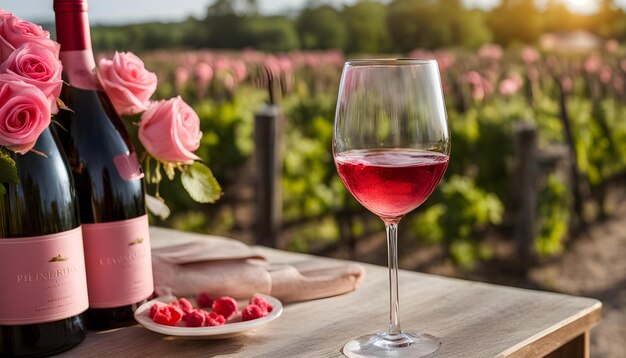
515	21
554	216
310	184
228	130
417	23
315	234
200	183
147	36
367	27
8	171
273	34
321	28
463	209
599	148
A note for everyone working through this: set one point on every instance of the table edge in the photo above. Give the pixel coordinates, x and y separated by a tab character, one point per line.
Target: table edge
544	342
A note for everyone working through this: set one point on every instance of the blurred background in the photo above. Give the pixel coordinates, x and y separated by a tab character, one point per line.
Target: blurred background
536	99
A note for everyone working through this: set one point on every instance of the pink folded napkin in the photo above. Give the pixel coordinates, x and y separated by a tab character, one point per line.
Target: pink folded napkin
224	267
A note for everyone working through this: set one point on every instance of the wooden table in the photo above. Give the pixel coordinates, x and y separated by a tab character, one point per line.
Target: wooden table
472	320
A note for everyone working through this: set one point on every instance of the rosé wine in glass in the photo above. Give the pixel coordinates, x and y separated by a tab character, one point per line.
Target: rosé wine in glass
391	183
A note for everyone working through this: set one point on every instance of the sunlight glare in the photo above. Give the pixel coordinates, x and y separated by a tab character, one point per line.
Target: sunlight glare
582	7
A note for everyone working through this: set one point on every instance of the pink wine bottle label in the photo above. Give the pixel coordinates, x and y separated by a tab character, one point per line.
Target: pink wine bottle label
119	265
42	278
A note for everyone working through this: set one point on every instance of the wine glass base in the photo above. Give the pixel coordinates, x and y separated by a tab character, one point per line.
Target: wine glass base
384	345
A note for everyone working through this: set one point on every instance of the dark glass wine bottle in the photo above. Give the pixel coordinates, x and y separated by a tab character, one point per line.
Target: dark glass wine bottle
43	281
108	181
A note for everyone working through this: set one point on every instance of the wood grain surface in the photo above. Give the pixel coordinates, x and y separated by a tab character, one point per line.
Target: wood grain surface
472	320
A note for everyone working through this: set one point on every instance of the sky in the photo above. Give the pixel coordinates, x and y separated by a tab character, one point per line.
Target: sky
135	11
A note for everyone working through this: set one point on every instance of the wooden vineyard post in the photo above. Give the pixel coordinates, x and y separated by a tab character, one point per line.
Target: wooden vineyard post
526	173
268	139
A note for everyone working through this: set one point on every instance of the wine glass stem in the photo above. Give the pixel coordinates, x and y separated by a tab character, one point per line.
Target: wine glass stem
394	297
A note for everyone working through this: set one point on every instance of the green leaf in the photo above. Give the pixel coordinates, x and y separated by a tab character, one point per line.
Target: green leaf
8	171
200	183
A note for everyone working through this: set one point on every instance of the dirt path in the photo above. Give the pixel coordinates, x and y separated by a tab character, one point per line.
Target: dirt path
595	266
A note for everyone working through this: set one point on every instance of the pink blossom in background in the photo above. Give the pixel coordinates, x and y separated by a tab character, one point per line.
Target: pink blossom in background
272	66
229	81
622	65
491	52
204	75
14	32
606	74
508	87
127	82
530	55
567	83
288	69
221	65
190	59
473	77
240	70
24	113
445	60
421	53
252	55
478	84
285	64
612	46
335	58
181	77
592	64
37	66
170	131
517	78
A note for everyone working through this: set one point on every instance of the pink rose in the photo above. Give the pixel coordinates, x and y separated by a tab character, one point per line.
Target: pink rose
14	32
5	47
37	66
24	113
127	82
170	131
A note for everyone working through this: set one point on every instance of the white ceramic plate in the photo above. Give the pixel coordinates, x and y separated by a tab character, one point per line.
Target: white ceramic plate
216	332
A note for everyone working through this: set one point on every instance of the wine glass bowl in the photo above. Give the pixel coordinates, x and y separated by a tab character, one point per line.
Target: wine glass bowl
391	146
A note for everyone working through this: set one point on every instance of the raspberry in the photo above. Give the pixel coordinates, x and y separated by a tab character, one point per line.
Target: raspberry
185	305
225	306
168	315
204	300
196	318
176	308
214	319
155	307
252	312
261	302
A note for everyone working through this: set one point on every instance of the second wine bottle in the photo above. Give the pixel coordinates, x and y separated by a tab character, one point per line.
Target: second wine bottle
108	180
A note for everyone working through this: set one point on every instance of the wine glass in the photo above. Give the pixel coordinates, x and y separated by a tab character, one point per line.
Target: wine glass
391	146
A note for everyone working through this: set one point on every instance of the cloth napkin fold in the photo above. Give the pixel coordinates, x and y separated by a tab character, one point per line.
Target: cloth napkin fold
225	267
